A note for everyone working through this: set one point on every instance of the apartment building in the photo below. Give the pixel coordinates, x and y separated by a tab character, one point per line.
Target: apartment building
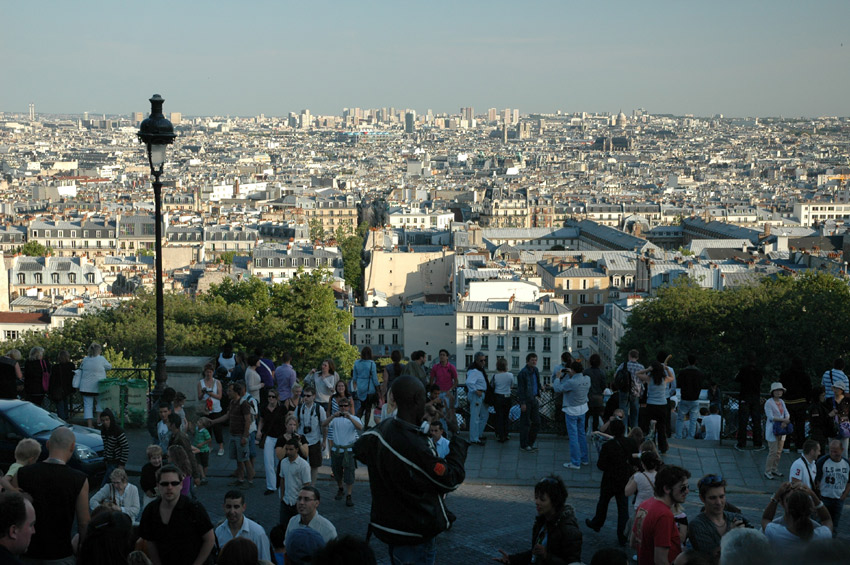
277	263
75	238
33	276
577	283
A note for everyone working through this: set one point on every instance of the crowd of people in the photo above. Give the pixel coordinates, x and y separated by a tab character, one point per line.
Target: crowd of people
403	427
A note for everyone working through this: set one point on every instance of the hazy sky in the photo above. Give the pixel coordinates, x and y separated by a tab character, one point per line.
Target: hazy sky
738	58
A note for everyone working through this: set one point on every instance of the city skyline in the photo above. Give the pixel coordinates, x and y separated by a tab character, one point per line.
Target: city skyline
273	57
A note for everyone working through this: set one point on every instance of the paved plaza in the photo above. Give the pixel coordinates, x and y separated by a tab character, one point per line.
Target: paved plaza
495	505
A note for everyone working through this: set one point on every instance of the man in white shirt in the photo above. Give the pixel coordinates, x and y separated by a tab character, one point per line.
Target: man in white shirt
804	469
294	475
833	480
237	525
308	515
343	425
711	423
476	386
440	442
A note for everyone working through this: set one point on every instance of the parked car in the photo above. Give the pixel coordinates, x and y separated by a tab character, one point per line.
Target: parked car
20	419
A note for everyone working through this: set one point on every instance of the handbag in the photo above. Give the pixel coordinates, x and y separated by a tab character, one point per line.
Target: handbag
45	375
489	392
842	428
75	382
781	429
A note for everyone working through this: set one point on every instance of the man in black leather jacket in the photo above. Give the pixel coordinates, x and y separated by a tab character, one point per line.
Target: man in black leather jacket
407	478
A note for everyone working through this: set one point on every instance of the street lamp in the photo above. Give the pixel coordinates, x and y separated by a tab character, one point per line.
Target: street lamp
156	132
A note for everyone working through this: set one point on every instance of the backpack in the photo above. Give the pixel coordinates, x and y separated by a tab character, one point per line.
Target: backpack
623	378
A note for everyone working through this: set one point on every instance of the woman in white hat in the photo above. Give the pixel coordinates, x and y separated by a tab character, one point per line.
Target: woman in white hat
776	412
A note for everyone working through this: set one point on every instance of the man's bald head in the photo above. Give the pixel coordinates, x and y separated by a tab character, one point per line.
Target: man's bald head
61	443
409	395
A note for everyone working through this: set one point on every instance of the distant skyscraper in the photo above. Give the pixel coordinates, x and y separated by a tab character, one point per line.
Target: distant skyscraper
138	117
176	118
506	116
410	122
492	115
32	112
467	114
516	116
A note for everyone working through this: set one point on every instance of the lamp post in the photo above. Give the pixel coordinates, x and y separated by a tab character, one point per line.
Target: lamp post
156	132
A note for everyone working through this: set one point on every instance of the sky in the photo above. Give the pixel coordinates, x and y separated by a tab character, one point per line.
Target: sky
736	58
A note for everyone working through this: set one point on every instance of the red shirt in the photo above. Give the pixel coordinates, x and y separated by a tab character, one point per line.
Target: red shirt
654	527
444	376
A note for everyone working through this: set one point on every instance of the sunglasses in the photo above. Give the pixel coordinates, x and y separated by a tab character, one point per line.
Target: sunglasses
684	488
169	483
272	396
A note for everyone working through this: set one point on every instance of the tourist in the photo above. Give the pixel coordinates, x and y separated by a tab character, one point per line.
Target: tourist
36	377
797	398
690	380
655	533
503	380
237	525
310	417
343	424
528	391
804	469
294	475
749	403
795	529
596	396
324	381
92	370
365	385
444	375
615	462
778	419
575	386
657	377
210	392
61	383
833	481
709	526
555	536
272	425
121	493
17	526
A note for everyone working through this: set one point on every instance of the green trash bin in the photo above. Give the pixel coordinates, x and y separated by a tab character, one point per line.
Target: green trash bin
109	396
137	402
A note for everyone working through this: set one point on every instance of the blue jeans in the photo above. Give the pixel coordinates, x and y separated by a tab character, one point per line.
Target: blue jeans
835	506
630	405
578	439
478	414
422	554
687	407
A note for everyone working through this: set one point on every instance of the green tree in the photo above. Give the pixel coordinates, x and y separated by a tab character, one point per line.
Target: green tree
352	259
317	231
777	318
314	327
342	231
34	249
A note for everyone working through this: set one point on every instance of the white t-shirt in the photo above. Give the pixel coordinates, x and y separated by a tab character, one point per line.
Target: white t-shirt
799	471
311	417
344	432
293	476
712	426
784	541
318	523
502	383
832	476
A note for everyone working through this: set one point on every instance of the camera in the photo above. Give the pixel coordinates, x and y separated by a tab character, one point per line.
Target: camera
308	429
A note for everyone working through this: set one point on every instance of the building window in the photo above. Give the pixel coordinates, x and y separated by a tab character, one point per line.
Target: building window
500	343
72	278
566	343
367	339
515	344
380	339
547	344
547	324
395	339
395	323
469	342
501	322
368	323
380	323
516	324
515	362
469	322
469	359
10	334
37	278
22	278
532	343
531	323
578	344
485	342
579	330
90	278
55	278
547	364
485	322
353	339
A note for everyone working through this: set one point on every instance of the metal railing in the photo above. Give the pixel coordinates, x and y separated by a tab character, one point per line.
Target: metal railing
75	404
729	401
551	417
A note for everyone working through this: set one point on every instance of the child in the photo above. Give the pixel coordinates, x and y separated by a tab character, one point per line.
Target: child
148	479
162	432
277	536
201	446
116	448
26	453
179	401
711	423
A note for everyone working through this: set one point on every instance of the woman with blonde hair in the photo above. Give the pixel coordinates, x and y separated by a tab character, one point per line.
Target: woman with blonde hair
36	376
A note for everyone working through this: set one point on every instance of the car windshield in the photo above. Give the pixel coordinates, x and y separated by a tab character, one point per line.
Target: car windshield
34	420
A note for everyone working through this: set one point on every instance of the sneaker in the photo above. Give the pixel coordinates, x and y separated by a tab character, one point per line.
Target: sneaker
585	462
527	449
769	476
589	524
339	494
533	446
759	448
236	483
348	501
571	466
739	448
220	451
250	484
777	473
268	492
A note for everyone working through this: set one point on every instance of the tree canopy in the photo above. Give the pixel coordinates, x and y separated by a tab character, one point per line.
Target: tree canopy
34	249
299	316
777	319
